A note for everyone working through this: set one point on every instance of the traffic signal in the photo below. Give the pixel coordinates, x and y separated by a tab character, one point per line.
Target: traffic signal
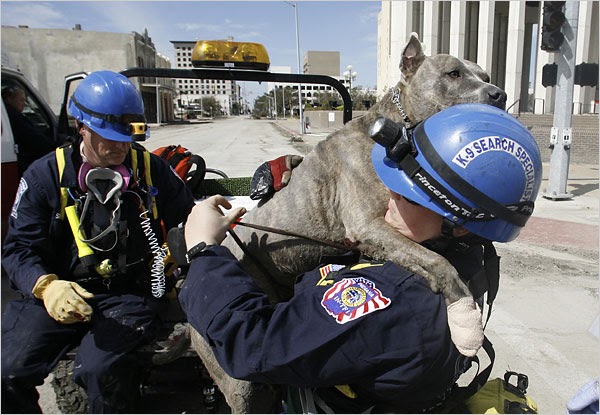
586	74
553	18
549	74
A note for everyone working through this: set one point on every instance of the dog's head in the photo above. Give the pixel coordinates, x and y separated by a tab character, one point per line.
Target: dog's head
432	83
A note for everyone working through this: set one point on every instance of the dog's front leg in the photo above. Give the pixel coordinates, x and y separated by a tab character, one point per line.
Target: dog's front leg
382	242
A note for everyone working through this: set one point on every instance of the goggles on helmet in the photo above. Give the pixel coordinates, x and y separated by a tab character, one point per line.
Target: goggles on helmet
401	146
133	125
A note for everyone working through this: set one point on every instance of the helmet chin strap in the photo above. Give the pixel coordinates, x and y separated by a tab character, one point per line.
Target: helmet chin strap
447	240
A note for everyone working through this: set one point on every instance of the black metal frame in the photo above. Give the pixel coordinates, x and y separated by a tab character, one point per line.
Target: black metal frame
220	74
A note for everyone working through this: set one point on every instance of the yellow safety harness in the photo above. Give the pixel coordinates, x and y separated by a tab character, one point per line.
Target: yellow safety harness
139	157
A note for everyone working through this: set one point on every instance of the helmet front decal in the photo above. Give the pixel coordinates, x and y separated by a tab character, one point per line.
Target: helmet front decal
484	145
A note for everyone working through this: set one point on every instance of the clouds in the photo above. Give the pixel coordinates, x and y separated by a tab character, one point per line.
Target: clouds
34	15
346	26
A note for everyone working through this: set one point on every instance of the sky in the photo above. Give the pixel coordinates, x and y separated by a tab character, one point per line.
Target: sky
349	27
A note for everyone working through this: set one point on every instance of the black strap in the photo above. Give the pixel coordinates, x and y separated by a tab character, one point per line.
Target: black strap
113	119
456	402
195	178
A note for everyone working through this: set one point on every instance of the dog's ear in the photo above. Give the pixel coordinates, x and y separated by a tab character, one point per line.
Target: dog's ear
412	56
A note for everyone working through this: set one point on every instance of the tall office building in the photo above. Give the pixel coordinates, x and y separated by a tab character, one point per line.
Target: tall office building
503	37
193	90
322	63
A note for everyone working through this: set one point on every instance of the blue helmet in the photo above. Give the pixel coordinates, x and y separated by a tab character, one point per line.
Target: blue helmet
474	164
110	105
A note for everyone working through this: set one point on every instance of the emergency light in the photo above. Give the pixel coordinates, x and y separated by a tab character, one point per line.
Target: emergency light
228	54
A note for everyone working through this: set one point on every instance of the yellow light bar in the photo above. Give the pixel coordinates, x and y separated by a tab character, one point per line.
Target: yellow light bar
223	53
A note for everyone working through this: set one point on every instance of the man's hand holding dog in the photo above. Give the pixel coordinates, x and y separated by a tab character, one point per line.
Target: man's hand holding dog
207	223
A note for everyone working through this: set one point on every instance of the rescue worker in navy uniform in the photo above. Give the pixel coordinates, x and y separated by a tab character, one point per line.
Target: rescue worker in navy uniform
372	336
83	249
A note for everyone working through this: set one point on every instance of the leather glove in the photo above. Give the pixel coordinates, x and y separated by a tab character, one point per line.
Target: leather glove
466	328
272	176
64	300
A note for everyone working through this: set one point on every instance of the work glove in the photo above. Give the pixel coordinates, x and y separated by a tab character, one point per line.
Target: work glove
272	176
466	328
586	399
64	300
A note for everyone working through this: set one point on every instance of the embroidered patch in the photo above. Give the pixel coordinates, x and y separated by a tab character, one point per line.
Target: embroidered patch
20	192
352	298
328	270
324	271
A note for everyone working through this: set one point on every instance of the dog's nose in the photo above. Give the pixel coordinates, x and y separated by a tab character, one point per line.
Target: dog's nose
497	97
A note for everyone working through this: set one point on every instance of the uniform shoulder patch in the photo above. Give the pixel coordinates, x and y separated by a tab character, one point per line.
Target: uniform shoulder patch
328	273
352	298
23	186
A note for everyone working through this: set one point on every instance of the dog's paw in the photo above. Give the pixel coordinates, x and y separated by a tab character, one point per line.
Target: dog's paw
466	327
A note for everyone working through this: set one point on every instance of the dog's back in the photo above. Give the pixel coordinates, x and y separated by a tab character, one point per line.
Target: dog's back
335	195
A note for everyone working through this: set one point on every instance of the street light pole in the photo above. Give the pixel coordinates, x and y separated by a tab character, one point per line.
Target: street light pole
300	106
350	75
283	100
275	95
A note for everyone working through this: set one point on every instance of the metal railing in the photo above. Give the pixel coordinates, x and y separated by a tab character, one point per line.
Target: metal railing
543	104
513	104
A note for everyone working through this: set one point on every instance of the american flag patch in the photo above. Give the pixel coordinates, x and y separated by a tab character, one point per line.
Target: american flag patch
352	298
329	268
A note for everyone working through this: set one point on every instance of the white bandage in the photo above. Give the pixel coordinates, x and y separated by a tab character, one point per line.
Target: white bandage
466	327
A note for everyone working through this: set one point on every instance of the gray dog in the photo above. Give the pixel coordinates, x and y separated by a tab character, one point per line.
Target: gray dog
335	195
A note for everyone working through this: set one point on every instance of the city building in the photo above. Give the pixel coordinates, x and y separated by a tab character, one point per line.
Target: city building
322	63
192	91
46	56
318	62
503	37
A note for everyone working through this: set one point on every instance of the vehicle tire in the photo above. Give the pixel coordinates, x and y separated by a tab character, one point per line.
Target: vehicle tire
70	397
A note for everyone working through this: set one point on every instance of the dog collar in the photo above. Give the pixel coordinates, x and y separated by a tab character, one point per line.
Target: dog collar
396	100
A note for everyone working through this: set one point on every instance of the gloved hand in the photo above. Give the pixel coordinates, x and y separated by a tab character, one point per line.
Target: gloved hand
64	300
586	399
466	328
207	223
272	176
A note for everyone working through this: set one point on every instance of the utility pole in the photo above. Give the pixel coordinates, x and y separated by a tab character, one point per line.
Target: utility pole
300	106
275	98
283	100
561	133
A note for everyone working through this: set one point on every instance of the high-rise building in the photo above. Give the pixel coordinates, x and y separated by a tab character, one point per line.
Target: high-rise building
319	62
503	37
192	91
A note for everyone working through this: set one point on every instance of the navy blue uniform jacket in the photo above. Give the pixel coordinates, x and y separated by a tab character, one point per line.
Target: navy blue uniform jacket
39	242
375	327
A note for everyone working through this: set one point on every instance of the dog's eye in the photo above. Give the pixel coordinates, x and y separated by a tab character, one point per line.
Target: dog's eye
454	74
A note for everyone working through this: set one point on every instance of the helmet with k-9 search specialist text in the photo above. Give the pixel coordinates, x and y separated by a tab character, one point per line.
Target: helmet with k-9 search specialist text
110	105
473	164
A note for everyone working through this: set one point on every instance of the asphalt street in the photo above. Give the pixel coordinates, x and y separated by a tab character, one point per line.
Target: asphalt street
545	318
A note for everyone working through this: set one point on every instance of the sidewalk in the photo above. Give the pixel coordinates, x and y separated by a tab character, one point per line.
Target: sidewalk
570	222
